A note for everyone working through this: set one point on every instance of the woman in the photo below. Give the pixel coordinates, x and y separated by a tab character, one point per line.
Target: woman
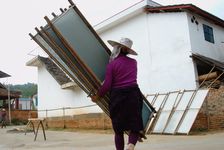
3	121
125	97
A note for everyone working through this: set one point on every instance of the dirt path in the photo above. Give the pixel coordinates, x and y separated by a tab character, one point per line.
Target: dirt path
61	140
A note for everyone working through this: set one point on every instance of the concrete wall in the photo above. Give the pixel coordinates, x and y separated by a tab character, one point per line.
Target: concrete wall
199	44
210	116
51	96
163	44
171	68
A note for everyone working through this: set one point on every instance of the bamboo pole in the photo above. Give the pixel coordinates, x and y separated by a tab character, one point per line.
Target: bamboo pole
101	103
79	74
72	51
215	80
159	111
58	49
95	81
107	112
207	76
177	101
52	57
186	110
91	29
50	44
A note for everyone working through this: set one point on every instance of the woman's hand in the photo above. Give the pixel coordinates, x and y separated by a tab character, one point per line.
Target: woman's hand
95	98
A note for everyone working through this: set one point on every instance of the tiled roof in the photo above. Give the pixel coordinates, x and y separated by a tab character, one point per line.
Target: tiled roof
2	86
4	94
3	74
55	71
186	7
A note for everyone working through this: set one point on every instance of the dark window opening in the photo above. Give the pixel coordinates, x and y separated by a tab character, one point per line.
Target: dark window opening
208	78
208	33
203	68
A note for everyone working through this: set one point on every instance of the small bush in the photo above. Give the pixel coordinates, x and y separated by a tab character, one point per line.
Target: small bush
16	121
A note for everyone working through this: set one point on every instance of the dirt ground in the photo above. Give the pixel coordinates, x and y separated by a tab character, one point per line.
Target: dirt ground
100	140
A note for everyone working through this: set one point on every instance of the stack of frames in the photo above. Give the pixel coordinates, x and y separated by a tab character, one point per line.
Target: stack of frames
76	48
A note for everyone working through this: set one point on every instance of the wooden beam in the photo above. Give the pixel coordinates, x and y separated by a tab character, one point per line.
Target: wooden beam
207	76
68	85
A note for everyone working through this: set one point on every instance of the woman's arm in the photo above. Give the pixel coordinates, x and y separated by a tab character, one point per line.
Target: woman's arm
106	84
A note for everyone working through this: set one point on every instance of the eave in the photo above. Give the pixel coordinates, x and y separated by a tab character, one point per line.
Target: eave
186	7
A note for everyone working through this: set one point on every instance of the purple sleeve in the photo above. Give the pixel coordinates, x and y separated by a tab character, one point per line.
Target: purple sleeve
107	82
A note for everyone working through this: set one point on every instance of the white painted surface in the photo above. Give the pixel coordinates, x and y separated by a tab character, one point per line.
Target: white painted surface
52	96
178	112
163	44
165	112
25	105
200	45
120	17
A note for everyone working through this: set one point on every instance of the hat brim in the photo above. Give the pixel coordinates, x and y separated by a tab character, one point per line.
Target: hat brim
114	43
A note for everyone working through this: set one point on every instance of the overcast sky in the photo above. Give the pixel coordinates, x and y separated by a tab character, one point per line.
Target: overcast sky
20	17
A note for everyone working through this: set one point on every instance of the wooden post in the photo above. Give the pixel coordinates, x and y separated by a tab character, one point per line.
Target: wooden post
215	80
53	14
206	76
62	10
63	109
207	113
46	119
71	2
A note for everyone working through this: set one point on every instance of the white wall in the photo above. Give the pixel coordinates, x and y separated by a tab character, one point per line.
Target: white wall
200	45
163	44
51	96
25	105
171	67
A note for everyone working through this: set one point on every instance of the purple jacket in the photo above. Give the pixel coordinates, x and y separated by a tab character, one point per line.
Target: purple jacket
121	72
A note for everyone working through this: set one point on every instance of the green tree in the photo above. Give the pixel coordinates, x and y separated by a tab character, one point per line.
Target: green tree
27	90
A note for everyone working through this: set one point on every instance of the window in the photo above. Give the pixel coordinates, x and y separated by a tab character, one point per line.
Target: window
208	33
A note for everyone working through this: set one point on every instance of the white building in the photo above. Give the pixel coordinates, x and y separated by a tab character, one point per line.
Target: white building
56	91
164	37
25	104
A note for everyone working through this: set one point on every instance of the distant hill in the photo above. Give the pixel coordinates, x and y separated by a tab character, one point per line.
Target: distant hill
28	89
